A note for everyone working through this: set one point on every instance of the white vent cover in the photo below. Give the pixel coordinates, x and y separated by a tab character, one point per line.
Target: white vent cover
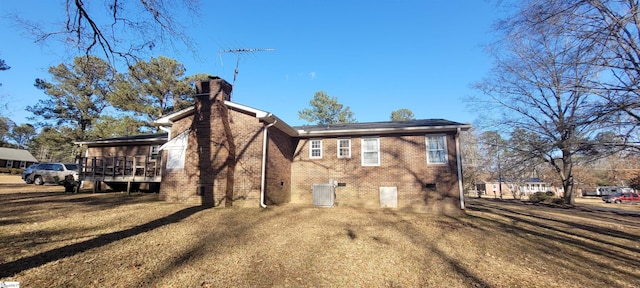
389	197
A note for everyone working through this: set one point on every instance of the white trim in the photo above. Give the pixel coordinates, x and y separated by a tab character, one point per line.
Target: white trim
459	164
157	152
311	149
339	148
362	150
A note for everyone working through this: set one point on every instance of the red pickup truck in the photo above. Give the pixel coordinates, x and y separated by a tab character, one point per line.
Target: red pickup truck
626	197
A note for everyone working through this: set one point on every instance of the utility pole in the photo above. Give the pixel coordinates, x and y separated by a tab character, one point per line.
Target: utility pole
499	170
238	52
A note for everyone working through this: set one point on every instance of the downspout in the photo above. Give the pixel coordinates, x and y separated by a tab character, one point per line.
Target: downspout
264	163
165	129
459	162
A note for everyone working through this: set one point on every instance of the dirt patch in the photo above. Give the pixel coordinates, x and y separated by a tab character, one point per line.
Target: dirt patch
11	179
118	240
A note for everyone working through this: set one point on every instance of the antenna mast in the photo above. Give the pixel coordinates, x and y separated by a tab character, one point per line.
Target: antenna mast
239	51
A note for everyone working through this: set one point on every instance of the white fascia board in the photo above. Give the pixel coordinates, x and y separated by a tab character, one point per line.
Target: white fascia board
430	129
257	112
281	125
168	120
265	116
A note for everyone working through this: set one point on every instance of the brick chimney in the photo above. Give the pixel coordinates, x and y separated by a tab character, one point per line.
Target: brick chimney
216	88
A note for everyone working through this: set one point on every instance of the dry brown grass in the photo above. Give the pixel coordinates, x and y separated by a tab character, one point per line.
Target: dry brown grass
53	239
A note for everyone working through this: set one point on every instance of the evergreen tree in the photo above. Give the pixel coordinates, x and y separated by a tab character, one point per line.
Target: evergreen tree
326	110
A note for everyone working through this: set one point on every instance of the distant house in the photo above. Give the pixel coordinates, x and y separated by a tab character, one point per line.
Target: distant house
525	188
220	153
16	158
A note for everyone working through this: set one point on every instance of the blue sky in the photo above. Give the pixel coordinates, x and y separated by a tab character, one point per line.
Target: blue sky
374	56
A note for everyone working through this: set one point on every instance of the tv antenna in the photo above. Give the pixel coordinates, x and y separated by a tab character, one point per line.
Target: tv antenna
238	52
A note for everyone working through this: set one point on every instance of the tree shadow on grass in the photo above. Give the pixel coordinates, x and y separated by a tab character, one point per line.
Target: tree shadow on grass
408	229
17	207
519	217
592	240
17	266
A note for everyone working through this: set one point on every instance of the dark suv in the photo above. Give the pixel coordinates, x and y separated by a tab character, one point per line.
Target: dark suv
626	197
52	173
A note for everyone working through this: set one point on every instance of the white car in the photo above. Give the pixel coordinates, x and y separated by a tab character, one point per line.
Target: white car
52	173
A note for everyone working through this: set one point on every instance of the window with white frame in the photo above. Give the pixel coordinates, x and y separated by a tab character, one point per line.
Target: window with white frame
315	149
23	164
436	149
344	148
9	164
153	152
370	151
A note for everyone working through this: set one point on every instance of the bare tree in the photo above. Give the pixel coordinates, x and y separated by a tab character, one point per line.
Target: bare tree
115	27
473	161
541	83
610	27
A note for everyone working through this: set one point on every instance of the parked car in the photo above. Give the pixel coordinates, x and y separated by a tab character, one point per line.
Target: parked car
626	197
27	172
52	173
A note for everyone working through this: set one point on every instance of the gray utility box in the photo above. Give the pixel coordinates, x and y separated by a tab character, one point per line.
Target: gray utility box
323	195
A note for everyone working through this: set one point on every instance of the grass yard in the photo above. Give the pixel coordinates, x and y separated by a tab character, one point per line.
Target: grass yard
52	239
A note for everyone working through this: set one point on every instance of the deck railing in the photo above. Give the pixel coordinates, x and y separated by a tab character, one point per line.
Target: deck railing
140	168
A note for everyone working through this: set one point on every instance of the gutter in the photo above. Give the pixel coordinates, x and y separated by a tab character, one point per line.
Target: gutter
317	133
459	164
165	129
264	163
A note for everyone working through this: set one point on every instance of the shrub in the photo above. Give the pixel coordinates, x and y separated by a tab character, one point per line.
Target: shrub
545	197
12	171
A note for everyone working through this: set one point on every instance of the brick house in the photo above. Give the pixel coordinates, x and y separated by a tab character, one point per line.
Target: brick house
222	153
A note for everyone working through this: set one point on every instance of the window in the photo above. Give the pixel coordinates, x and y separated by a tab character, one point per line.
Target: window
436	149
315	149
370	152
344	148
176	151
23	164
9	164
57	167
153	152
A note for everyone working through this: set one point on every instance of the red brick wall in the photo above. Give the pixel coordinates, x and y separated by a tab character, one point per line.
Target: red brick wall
204	178
278	169
403	164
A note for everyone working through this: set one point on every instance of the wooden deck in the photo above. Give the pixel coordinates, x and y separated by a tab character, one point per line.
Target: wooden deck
130	169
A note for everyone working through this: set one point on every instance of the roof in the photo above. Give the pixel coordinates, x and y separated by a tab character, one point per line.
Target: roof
142	138
365	128
16	155
265	116
387	127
